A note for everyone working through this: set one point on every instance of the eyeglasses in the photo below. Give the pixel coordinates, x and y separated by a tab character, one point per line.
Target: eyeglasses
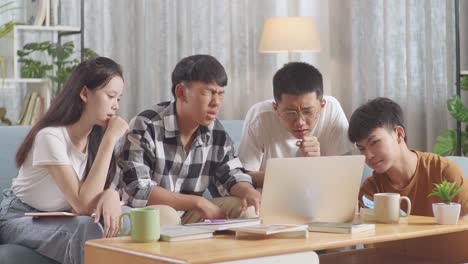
307	114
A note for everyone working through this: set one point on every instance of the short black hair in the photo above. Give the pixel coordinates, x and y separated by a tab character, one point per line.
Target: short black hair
380	112
201	67
297	78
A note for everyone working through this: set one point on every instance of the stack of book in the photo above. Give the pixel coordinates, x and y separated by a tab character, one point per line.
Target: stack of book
271	231
33	109
341	228
174	233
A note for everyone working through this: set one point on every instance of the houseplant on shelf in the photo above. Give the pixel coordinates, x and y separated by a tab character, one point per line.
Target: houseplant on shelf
446	145
446	213
58	64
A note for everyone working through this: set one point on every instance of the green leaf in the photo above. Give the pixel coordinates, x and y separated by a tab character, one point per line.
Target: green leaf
23	53
446	191
89	53
4	9
2	70
464	83
6	28
31	46
446	146
6	4
457	109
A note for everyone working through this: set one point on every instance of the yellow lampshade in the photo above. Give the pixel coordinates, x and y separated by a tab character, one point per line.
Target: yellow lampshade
289	34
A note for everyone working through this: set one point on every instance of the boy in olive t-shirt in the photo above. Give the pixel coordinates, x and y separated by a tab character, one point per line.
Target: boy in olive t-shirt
377	128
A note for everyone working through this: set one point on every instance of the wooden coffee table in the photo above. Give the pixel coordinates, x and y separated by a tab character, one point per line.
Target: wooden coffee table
419	239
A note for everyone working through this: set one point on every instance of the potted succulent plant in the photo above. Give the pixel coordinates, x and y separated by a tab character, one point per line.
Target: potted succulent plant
446	213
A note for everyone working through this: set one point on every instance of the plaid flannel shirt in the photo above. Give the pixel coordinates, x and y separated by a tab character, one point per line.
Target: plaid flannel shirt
154	155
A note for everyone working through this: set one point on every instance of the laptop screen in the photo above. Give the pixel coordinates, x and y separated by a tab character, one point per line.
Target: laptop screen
303	190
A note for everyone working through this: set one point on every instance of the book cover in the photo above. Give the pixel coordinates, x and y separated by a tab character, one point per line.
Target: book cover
31	9
29	109
24	108
54	12
271	231
342	228
173	233
225	224
41	12
36	113
49	214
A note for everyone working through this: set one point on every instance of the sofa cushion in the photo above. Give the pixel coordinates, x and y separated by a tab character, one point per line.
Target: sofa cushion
11	138
366	173
15	254
234	129
462	162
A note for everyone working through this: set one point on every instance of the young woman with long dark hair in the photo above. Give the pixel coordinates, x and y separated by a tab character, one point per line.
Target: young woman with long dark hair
66	163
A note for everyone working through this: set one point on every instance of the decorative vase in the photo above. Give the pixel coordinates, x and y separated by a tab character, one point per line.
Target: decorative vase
446	214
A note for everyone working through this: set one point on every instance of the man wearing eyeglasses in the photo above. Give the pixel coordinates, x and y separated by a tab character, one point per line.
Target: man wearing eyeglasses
300	122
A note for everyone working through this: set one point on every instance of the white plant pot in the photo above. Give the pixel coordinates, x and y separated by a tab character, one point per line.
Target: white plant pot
446	214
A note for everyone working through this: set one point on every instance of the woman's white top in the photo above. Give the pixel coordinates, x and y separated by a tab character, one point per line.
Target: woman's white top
34	185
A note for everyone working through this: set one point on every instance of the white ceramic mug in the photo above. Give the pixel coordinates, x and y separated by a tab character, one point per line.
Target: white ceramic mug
387	207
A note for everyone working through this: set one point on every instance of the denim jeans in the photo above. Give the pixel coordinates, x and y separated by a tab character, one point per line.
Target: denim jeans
59	238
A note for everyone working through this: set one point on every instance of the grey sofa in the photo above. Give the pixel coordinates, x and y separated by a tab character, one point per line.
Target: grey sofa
10	139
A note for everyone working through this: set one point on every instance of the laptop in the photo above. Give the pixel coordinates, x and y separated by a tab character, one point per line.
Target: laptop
315	189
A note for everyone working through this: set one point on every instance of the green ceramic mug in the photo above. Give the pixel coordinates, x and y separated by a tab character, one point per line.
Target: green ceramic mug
144	224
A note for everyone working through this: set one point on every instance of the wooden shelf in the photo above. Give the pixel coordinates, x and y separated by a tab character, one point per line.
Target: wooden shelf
24	80
48	28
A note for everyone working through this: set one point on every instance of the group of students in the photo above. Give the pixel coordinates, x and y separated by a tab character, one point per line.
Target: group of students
175	151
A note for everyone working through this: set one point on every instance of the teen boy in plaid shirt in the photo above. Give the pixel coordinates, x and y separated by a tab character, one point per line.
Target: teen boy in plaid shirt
175	149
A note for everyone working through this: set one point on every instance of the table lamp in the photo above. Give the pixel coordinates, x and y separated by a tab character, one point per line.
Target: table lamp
289	34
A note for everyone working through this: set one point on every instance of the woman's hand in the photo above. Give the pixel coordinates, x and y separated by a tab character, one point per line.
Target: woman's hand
116	128
108	207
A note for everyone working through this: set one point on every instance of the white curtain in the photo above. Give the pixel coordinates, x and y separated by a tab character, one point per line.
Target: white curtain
148	38
401	49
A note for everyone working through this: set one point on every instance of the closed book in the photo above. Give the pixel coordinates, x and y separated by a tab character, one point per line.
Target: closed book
26	116
36	113
272	231
49	214
41	12
173	233
225	224
342	228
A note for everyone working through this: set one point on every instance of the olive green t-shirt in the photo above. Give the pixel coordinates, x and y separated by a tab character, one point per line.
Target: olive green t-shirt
430	169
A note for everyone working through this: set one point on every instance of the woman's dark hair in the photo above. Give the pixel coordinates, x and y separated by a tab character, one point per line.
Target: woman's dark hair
67	107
